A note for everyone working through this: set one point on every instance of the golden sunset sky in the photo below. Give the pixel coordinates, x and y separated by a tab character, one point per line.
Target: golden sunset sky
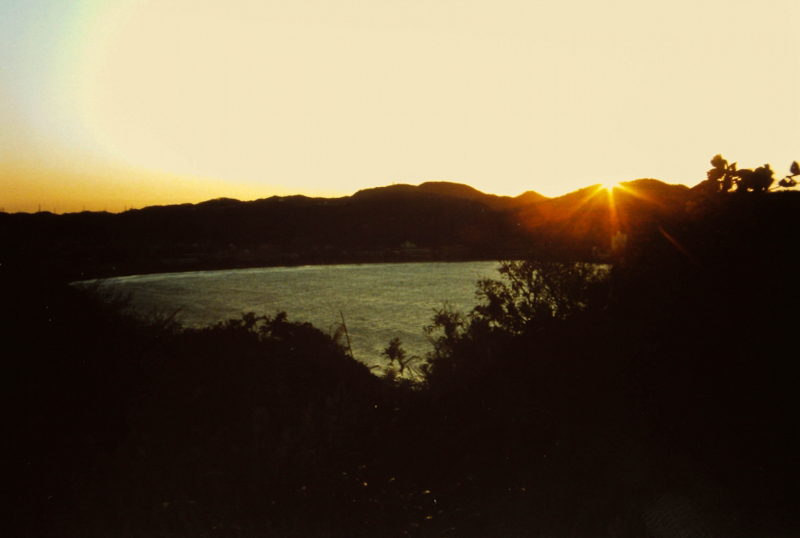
114	104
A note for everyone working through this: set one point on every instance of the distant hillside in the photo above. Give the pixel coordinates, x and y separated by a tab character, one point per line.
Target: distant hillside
587	218
396	223
456	190
432	221
529	197
452	190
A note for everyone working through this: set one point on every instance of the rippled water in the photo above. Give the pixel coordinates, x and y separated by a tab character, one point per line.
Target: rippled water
379	301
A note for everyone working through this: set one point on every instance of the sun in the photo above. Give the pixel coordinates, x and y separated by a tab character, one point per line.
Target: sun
610	185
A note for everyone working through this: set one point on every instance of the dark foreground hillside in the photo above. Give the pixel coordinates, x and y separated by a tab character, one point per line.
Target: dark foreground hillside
657	401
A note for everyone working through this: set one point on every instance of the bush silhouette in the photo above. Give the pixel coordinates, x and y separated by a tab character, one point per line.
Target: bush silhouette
723	177
535	300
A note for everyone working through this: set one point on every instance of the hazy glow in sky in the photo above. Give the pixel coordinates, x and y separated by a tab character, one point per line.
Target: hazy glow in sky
106	104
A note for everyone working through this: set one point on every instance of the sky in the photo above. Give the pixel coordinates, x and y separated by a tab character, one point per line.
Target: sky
108	105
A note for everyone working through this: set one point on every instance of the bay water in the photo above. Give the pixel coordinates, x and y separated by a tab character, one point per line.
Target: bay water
378	301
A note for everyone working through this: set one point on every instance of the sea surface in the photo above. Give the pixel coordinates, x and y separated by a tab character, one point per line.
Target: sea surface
378	301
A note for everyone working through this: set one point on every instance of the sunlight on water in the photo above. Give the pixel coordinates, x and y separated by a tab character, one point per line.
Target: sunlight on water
378	301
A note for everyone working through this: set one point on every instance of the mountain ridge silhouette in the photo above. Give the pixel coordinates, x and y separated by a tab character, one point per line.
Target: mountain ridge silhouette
434	221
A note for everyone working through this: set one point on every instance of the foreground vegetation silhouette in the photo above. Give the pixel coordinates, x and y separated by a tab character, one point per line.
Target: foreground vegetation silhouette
654	397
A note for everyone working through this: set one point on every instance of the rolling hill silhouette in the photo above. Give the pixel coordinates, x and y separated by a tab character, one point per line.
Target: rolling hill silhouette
454	190
432	221
591	215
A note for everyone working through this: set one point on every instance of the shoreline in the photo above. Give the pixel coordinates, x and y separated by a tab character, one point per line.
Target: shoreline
287	266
